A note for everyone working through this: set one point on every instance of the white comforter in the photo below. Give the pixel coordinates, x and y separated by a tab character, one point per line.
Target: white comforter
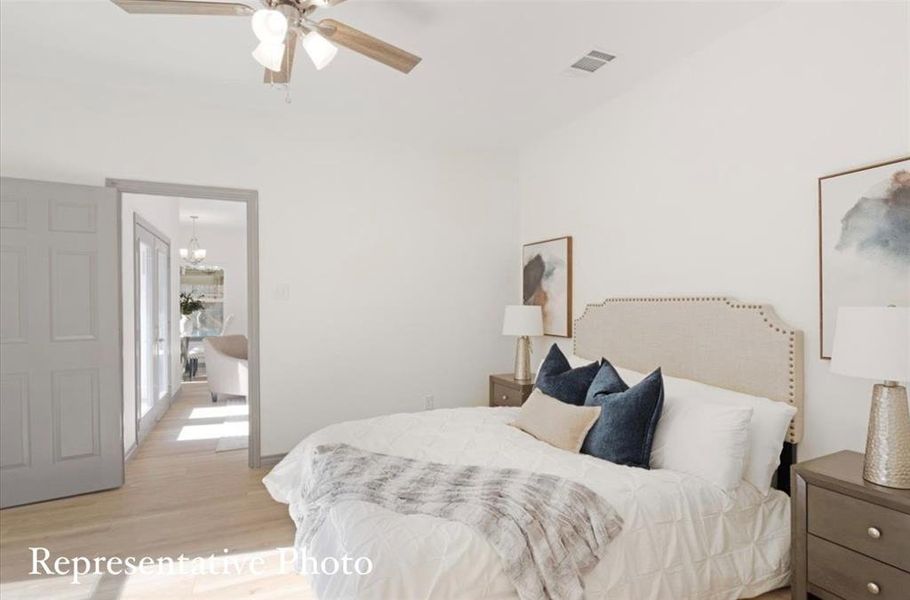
682	538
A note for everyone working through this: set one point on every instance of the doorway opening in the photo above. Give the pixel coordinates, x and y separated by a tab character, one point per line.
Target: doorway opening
190	319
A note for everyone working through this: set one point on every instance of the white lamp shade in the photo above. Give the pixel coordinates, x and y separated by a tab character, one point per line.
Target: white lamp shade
269	55
872	342
270	26
522	320
320	50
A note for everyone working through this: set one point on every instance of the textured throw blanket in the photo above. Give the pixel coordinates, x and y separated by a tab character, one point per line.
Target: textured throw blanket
548	531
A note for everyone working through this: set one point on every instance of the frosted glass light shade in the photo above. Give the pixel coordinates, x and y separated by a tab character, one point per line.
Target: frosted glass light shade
872	342
522	320
320	50
269	55
270	26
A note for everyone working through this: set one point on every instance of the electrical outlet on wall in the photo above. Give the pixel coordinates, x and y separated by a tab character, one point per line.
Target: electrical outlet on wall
429	402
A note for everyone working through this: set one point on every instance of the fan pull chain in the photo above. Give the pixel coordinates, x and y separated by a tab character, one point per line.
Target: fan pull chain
283	86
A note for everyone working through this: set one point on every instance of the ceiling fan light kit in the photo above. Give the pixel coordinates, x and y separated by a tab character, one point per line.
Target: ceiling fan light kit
270	55
269	25
279	24
320	50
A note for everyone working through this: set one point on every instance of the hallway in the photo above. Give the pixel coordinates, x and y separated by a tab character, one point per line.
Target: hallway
194	424
180	497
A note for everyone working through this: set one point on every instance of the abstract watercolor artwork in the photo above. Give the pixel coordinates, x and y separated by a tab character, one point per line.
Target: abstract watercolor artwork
547	282
864	241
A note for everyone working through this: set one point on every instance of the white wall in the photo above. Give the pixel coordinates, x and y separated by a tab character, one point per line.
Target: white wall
385	265
397	264
225	247
161	213
703	180
397	259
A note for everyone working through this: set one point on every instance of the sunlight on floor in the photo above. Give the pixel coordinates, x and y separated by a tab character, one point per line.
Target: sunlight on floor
230	575
213	431
215	412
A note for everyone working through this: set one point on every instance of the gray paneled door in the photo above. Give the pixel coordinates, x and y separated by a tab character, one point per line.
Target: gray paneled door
60	349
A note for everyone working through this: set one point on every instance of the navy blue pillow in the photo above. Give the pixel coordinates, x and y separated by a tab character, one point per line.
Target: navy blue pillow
559	380
607	381
624	431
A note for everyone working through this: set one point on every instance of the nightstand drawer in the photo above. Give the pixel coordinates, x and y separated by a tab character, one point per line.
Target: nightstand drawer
851	575
874	530
501	395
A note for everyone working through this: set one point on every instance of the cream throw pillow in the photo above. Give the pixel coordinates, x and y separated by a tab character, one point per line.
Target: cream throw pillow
555	422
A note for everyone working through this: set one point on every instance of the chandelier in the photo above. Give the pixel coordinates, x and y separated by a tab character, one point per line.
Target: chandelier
194	254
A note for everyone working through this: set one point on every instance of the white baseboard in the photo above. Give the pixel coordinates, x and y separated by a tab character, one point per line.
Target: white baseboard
157	411
129	453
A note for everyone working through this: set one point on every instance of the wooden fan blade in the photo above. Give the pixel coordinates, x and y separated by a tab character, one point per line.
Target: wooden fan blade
358	41
287	65
180	7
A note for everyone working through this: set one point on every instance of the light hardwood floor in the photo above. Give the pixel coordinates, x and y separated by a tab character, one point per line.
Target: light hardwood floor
180	497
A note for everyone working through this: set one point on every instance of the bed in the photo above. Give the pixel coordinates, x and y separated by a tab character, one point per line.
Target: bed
682	537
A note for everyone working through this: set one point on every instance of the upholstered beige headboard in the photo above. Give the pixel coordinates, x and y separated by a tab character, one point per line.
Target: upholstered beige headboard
714	340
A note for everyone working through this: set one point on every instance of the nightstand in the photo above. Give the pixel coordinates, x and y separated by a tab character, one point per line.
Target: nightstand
851	538
505	390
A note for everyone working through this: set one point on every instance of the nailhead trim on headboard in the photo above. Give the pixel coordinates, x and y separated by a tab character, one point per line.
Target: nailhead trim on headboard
791	393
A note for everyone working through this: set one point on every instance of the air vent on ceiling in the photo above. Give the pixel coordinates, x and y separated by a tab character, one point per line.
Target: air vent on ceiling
591	61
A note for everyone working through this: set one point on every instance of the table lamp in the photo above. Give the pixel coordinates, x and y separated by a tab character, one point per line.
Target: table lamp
873	342
523	321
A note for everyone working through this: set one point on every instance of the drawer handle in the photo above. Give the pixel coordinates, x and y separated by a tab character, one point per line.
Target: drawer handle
874	533
504	397
873	588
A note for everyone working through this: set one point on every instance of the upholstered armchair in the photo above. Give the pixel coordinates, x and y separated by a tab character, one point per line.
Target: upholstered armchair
226	365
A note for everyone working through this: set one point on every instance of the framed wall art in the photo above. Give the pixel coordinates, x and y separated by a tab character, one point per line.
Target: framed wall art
864	241
547	282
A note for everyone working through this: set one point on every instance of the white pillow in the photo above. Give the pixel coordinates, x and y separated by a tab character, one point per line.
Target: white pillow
576	361
705	439
767	428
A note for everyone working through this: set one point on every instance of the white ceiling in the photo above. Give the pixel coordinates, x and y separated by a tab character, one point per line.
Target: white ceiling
493	73
212	212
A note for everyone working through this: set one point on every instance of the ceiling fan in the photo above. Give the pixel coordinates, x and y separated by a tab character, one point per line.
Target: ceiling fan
278	25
